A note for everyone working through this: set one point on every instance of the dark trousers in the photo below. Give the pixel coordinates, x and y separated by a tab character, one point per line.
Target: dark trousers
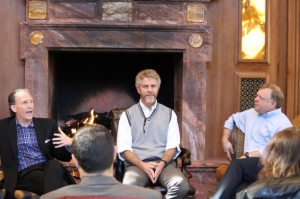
240	174
42	178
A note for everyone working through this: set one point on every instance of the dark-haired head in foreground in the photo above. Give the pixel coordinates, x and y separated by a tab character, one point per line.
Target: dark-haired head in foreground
94	153
93	149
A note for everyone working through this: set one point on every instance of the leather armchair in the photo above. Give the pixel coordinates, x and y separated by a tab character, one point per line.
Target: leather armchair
19	194
183	160
272	188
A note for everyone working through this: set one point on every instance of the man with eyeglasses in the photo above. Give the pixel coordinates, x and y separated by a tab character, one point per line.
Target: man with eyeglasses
29	149
148	140
259	124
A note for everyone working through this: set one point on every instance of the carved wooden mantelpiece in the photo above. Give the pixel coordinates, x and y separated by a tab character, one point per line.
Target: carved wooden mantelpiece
135	26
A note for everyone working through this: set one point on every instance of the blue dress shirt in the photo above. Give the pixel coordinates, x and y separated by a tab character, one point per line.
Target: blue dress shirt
258	129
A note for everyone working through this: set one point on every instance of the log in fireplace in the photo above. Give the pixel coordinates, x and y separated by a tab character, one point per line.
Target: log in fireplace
60	37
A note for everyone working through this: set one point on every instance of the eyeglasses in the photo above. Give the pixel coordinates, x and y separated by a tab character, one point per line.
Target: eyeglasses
26	102
263	99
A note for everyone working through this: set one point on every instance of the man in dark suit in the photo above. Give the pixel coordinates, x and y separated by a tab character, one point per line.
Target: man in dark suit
27	150
93	154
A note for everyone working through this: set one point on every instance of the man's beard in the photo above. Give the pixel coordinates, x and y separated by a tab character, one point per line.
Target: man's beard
150	100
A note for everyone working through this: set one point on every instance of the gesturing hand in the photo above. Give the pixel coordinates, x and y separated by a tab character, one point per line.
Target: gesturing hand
228	149
61	139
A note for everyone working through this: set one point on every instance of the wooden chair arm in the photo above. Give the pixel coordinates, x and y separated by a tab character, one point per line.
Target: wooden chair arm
183	160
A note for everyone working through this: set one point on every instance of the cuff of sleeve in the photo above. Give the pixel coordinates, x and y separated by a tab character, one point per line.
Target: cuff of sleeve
69	148
178	151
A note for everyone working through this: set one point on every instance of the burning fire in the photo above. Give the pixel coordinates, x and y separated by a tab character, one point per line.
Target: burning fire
87	121
91	119
73	130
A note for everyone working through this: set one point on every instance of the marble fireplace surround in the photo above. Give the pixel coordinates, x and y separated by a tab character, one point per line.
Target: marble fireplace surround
125	26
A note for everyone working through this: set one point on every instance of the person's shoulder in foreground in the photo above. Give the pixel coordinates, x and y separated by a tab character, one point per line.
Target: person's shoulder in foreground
280	175
93	153
272	188
117	190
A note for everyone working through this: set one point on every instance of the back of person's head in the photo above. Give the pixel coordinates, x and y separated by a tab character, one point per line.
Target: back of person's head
147	73
93	147
281	157
12	99
277	94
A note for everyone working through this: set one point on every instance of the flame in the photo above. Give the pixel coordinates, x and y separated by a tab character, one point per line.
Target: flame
91	119
73	130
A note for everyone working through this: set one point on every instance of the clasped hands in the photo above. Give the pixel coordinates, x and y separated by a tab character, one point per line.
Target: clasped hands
153	169
61	139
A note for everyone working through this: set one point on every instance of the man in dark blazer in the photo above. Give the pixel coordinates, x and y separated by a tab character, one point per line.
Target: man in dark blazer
28	154
94	154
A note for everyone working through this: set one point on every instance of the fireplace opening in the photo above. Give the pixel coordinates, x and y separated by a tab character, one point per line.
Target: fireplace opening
105	80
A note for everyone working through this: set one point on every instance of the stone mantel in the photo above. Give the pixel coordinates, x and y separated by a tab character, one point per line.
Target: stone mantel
117	11
135	26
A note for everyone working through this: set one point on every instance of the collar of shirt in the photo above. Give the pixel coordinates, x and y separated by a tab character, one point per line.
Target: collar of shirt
146	111
270	113
30	125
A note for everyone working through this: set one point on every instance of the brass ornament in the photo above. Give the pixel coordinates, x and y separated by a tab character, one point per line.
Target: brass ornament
195	40
37	10
36	38
195	13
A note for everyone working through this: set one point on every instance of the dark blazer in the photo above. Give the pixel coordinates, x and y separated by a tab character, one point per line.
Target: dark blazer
45	128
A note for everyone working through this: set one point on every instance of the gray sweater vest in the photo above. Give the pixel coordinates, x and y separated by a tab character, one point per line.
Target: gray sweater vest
149	135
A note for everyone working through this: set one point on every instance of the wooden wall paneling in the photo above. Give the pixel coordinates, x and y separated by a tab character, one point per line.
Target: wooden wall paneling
297	58
213	99
282	48
272	23
226	67
220	74
293	59
11	67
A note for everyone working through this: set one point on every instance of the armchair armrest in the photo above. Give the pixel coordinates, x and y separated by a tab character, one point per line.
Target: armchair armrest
183	160
237	141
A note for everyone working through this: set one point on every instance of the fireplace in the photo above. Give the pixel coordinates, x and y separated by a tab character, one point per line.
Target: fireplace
106	80
79	51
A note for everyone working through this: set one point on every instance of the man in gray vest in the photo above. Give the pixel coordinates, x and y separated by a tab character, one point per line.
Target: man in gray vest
148	140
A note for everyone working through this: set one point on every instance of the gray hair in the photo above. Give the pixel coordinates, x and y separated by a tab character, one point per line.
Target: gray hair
12	99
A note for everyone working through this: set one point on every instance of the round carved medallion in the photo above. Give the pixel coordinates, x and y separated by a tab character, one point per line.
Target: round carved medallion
195	40
36	38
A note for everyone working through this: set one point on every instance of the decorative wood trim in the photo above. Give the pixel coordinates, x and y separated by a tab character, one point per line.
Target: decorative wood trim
293	60
240	75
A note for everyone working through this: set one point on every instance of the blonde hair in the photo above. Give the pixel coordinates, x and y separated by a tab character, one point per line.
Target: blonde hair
281	158
147	73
